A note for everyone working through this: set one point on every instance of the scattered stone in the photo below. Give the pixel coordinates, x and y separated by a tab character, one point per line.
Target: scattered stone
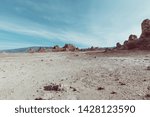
117	79
113	92
74	89
148	87
76	55
38	98
147	96
148	68
100	88
62	80
110	74
53	87
121	83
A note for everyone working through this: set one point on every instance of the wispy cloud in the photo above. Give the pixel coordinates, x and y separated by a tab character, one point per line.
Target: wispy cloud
82	22
66	36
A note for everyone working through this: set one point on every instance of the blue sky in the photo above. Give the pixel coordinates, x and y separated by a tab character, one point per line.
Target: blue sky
85	23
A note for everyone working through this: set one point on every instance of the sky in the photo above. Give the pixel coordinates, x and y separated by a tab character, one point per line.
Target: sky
84	23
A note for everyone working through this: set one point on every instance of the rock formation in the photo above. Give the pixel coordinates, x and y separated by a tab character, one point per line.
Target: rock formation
145	29
31	50
142	43
41	50
132	42
118	45
56	47
69	47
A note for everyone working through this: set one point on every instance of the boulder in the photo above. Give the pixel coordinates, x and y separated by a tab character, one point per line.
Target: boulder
132	38
131	43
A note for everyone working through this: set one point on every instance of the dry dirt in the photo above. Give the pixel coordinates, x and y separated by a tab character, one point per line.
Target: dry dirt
77	75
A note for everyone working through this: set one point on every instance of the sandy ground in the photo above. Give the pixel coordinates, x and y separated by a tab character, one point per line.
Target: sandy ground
82	75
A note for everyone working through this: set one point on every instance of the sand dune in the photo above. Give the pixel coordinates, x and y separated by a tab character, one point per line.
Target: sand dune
81	75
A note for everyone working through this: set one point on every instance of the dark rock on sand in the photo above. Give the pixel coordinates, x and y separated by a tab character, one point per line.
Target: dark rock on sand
141	43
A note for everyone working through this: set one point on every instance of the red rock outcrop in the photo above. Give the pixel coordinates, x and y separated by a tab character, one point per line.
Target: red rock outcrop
69	47
118	45
132	42
31	50
56	47
145	29
142	43
41	50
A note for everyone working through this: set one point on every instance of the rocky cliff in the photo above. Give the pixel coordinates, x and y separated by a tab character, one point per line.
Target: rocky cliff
142	43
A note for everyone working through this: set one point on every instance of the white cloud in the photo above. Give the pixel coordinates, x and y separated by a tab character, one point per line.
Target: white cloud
72	37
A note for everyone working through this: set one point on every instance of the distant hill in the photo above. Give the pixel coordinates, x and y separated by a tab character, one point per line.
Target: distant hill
56	48
22	50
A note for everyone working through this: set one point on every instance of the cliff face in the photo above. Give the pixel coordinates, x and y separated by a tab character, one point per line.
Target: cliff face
145	29
142	43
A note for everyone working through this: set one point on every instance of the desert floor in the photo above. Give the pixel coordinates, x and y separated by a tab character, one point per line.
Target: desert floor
82	75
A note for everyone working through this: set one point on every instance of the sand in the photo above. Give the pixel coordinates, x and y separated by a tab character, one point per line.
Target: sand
82	75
